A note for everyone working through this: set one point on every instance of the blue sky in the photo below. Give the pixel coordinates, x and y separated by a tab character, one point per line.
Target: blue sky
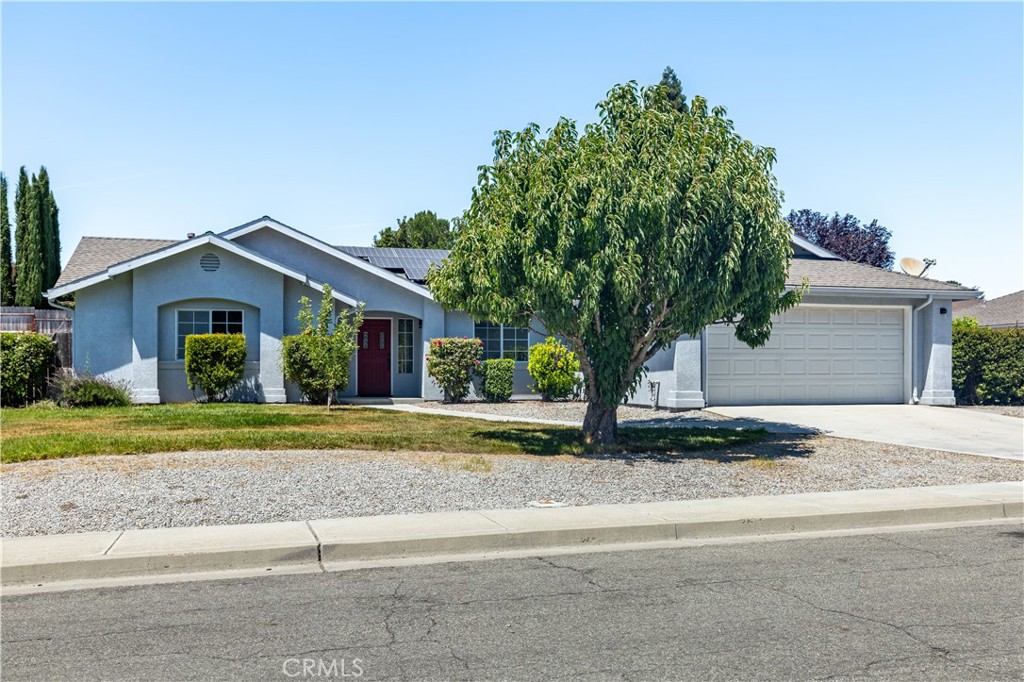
159	119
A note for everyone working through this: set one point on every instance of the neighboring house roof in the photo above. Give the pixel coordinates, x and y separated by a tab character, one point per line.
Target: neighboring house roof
95	254
413	264
843	274
174	248
1005	311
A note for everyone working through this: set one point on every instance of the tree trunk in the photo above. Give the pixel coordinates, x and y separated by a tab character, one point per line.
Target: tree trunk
601	423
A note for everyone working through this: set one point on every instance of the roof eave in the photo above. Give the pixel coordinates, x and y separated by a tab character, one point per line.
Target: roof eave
951	294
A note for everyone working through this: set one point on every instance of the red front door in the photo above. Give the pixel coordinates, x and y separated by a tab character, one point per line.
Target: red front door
375	358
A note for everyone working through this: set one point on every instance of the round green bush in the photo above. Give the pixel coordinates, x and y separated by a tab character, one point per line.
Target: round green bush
498	377
214	363
554	370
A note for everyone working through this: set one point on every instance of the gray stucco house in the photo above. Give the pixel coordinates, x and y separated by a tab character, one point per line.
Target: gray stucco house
861	335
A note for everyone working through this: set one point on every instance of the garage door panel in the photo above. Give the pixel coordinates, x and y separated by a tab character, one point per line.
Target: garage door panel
815	355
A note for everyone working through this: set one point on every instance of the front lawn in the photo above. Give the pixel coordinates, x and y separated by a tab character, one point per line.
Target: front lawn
46	433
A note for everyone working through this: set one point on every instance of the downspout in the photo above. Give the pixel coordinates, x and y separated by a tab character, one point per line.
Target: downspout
914	398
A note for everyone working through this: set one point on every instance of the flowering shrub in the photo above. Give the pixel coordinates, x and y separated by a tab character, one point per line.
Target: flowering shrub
451	364
553	368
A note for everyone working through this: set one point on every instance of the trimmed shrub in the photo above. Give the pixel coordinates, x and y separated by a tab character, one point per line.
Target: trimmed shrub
498	377
451	364
988	364
553	368
214	363
317	359
85	390
25	359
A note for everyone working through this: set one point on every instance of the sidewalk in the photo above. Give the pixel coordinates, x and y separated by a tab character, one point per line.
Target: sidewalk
327	544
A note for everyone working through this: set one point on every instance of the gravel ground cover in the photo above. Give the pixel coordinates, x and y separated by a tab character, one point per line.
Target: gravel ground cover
575	411
202	488
1007	410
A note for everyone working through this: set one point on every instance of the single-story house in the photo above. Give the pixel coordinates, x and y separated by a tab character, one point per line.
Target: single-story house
1000	313
861	334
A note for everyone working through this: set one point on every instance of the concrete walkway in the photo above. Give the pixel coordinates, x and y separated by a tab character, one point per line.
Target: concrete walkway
937	428
329	544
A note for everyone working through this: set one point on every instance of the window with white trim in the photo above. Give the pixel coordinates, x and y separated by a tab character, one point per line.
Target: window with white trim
206	322
405	345
502	341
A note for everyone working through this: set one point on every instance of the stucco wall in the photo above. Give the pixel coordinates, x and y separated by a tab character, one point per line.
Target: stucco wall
102	329
170	282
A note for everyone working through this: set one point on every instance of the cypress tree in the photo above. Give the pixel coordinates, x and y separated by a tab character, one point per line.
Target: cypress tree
41	189
55	239
6	282
50	229
28	281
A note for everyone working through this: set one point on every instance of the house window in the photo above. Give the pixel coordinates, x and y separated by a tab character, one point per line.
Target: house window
405	346
501	341
206	322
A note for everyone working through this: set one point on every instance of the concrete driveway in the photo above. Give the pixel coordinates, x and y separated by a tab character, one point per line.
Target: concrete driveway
938	428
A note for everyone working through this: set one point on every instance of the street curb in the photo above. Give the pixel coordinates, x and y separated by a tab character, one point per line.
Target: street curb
321	544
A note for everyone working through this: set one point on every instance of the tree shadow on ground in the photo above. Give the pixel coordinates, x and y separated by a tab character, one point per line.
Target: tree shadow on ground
665	444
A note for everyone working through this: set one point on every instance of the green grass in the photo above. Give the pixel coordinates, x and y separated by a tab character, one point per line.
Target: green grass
46	433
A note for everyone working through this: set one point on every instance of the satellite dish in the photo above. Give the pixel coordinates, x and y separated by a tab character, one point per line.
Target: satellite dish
915	267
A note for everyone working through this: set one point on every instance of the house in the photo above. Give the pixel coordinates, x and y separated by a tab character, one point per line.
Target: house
861	335
999	313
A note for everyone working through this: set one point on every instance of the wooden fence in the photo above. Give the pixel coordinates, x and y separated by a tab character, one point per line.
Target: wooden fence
54	323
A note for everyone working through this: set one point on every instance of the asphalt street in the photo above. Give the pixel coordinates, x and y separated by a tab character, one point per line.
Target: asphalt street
922	605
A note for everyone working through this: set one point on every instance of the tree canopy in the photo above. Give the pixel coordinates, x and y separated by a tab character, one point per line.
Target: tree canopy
423	231
845	237
651	224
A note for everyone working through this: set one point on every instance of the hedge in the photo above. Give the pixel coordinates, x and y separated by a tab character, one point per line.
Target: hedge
988	364
214	363
498	376
25	359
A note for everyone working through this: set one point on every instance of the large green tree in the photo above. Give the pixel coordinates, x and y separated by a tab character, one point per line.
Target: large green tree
651	224
30	269
423	231
6	256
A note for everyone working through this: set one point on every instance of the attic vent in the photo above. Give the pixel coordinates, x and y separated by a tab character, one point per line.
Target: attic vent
209	262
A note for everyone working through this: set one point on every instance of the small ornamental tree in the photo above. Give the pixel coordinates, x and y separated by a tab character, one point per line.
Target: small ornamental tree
553	368
451	364
649	224
214	363
317	358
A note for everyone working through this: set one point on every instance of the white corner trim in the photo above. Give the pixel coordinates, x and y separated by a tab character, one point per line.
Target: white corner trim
324	247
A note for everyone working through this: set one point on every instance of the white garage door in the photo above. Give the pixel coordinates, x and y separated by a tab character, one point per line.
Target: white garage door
838	355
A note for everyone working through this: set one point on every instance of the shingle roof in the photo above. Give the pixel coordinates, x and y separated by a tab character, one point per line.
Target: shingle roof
96	254
413	263
1005	311
850	275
